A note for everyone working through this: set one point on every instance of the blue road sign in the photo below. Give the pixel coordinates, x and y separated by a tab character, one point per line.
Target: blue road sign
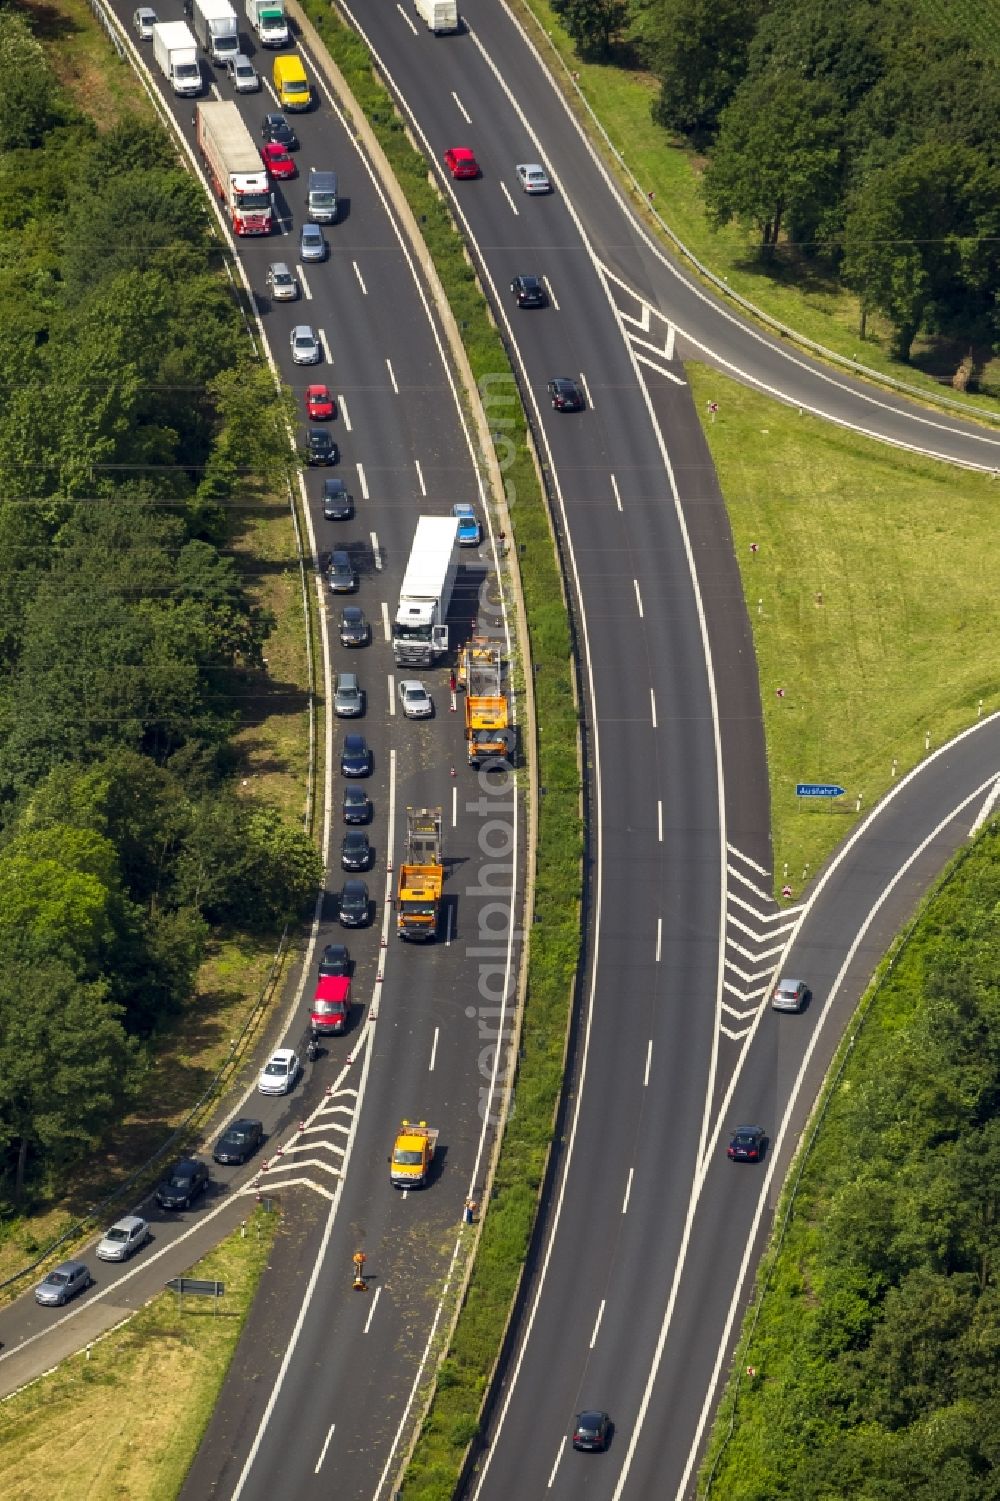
818	789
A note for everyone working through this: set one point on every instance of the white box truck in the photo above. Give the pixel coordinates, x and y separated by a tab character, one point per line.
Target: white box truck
419	632
216	28
322	200
268	22
438	15
176	54
234	166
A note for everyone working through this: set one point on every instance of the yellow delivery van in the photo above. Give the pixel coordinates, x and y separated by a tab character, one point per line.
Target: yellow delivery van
290	82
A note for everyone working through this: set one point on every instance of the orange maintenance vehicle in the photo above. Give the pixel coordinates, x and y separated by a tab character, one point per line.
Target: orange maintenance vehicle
487	715
412	1155
421	876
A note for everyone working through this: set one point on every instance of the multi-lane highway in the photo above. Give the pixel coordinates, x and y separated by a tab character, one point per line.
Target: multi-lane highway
648	1237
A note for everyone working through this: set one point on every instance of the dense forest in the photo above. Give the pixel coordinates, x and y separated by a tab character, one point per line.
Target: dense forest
876	1353
858	137
133	427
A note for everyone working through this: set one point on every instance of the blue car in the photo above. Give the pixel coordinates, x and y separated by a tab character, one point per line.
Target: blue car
470	533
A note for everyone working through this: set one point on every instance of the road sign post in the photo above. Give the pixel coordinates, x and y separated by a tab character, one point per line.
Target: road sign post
818	789
198	1287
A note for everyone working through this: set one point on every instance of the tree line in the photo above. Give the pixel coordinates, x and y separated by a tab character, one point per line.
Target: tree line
858	135
876	1349
134	432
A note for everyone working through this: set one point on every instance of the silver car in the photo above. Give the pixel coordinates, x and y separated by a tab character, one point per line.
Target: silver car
312	243
415	699
62	1283
144	20
532	178
348	700
789	995
281	283
305	345
245	78
125	1237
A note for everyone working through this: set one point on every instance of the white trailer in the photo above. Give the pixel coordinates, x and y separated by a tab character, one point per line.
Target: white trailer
234	166
176	54
217	30
420	632
268	22
438	15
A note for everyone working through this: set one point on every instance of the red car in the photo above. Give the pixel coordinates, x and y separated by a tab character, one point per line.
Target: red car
331	1004
461	162
319	403
277	161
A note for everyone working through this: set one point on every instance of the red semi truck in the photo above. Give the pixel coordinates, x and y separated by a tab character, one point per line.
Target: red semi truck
235	167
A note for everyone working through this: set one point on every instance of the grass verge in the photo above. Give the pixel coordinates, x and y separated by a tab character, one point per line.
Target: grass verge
872	598
835	1388
128	1420
798	294
555	937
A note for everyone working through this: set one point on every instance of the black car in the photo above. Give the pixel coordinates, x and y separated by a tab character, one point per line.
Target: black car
354	628
336	960
239	1141
355	851
591	1430
357	805
746	1144
182	1185
356	758
341	575
353	904
320	447
276	128
338	503
529	291
566	395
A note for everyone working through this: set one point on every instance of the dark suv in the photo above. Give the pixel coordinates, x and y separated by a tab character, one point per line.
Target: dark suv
353	903
182	1185
529	291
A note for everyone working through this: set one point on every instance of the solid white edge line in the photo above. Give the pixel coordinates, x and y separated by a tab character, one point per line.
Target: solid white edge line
772	343
764	1199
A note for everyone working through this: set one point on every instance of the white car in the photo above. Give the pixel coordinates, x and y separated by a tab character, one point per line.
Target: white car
532	178
282	284
280	1072
245	78
305	345
144	20
125	1237
415	699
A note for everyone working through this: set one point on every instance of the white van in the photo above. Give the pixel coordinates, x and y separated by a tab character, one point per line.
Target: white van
439	15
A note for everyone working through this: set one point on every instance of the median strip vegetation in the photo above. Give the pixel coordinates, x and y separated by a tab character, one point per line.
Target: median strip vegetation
555	935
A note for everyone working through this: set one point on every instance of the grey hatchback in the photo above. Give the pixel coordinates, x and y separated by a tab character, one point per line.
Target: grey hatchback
62	1283
312	244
